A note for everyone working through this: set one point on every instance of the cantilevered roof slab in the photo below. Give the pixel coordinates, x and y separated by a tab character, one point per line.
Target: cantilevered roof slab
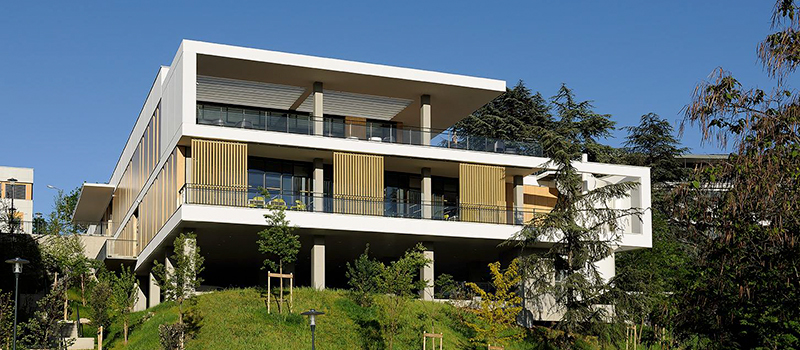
453	96
92	202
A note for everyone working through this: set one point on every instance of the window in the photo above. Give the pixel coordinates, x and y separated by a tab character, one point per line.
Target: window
402	194
283	179
15	191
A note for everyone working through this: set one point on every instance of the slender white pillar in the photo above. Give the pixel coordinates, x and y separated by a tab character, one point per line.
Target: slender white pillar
318	263
318	183
426	274
188	250
519	200
425	120
318	111
427	195
153	292
141	300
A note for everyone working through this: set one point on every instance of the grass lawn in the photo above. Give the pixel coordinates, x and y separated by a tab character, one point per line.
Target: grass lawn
238	319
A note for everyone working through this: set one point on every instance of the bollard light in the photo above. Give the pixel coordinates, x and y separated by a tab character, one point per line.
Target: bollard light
312	314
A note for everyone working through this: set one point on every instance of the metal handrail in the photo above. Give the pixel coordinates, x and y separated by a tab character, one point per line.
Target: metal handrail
240	196
305	124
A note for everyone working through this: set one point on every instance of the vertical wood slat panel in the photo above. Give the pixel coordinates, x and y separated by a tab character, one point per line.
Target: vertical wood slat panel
358	183
219	172
482	193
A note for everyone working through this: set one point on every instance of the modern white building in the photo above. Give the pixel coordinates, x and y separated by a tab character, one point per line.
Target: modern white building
16	191
361	153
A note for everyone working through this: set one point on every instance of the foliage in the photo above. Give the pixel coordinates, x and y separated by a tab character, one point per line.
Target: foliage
59	221
582	225
124	295
364	278
647	279
498	311
100	294
278	240
517	114
183	279
445	286
652	144
579	125
6	319
740	215
399	281
43	330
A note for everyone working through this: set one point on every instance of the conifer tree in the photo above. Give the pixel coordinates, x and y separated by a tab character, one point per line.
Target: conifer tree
583	228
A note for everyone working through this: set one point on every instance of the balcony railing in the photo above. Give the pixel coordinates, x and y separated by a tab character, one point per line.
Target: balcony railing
119	249
242	197
40	226
304	124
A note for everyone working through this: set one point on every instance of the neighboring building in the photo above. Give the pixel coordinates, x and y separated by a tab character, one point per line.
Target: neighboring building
361	153
16	189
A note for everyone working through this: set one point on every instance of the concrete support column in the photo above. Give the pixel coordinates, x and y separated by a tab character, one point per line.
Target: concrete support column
153	292
318	185
426	273
427	195
425	120
318	111
141	300
519	200
318	263
188	250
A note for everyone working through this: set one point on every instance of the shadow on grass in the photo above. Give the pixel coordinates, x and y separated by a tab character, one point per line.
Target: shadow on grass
369	329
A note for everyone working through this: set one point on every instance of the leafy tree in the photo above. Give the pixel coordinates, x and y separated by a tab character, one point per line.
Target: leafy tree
278	240
43	329
498	311
124	295
59	221
180	283
400	281
446	287
517	114
745	288
364	278
100	293
582	227
652	144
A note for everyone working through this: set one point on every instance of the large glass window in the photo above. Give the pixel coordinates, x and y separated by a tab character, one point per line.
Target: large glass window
402	194
15	191
283	179
444	198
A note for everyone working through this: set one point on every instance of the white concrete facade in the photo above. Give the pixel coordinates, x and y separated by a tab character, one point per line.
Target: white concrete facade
422	99
24	206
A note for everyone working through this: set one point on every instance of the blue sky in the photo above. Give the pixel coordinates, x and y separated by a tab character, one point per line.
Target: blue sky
74	74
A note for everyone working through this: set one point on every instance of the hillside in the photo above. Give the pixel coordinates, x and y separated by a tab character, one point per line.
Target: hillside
237	319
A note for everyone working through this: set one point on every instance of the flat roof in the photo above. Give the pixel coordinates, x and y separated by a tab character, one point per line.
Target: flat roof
453	96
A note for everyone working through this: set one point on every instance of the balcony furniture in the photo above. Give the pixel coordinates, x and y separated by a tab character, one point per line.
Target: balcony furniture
245	124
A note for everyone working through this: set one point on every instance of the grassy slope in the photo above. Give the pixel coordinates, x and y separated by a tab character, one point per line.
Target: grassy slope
237	319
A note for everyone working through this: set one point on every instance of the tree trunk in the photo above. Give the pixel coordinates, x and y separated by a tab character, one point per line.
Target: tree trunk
66	303
83	291
125	330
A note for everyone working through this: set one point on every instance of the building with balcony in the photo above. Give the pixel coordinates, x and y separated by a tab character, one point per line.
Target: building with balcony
16	199
360	153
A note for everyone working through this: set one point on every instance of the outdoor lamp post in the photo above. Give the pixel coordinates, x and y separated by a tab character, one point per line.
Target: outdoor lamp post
311	319
12	211
17	268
